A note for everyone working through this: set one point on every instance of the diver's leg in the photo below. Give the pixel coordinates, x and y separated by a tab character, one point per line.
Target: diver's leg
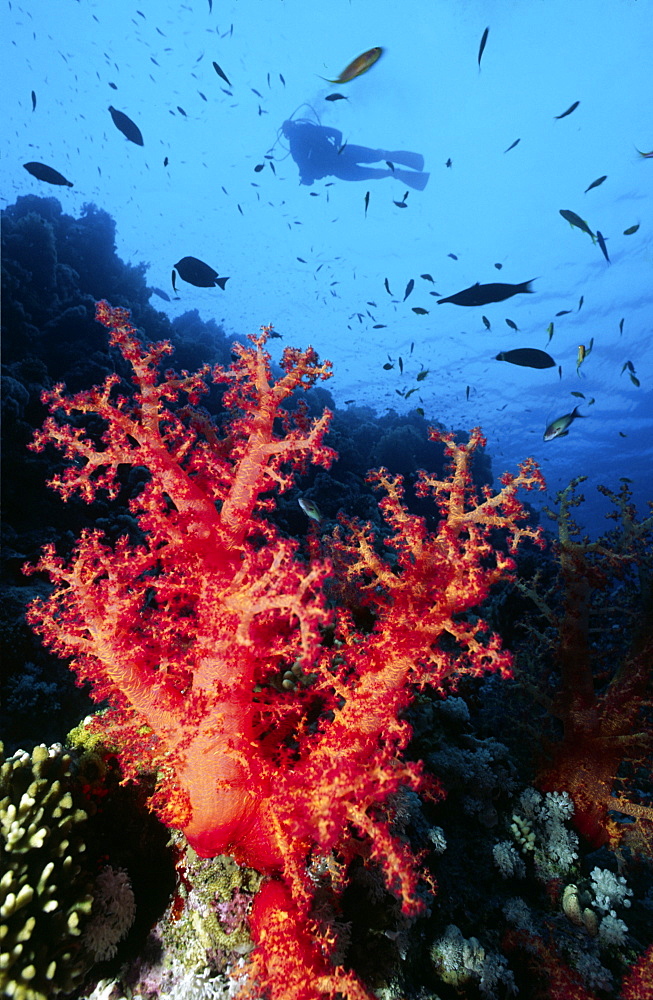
352	172
406	159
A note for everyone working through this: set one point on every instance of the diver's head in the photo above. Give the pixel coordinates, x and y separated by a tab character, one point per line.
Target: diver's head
288	127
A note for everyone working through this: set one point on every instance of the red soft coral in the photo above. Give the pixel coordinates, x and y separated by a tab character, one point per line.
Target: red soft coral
186	633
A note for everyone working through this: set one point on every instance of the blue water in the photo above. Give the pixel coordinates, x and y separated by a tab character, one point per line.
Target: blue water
426	95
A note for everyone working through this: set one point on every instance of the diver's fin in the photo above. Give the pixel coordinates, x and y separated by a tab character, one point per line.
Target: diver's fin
413	160
412	180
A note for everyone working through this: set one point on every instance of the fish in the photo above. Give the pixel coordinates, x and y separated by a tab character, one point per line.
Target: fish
645	155
197	273
420	311
427	277
569	110
595	184
173	278
549	330
422	375
48	174
390	165
527	357
409	288
367	201
575	220
621	326
221	73
379	326
112	85
401	365
481	295
452	255
512	146
282	80
559	427
161	293
486	323
600	237
387	286
359	65
336	97
166	161
33	101
258	168
481	47
310	508
449	163
125	125
631	230
580	303
400	204
498	266
563	312
512	325
387	366
467	392
580	357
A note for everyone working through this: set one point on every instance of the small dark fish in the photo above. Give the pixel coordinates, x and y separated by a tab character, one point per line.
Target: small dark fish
467	393
422	375
125	125
390	165
512	146
359	65
409	288
336	97
549	330
197	273
387	366
387	287
452	255
575	220
379	326
569	110
222	74
48	174
560	371
486	322
173	278
33	101
257	92
498	266
481	47
427	277
348	402
513	326
481	295
301	260
112	85
580	303
600	237
420	311
595	184
282	80
166	161
631	230
559	428
563	312
401	366
341	148
210	6
258	168
400	204
527	357
449	163
621	326
628	365
161	293
203	96
182	112
367	201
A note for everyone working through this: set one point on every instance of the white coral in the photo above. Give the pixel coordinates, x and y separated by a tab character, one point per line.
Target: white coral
113	913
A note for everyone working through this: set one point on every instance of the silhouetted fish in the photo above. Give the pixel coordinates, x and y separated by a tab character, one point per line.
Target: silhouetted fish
196	272
125	125
221	73
528	357
45	173
481	47
569	110
480	295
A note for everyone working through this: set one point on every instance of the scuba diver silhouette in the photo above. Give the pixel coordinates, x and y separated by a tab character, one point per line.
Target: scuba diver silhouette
319	152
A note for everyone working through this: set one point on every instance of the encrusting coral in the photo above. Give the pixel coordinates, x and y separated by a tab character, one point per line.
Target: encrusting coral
185	632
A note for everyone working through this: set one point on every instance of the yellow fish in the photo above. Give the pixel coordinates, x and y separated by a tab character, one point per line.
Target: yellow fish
359	66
